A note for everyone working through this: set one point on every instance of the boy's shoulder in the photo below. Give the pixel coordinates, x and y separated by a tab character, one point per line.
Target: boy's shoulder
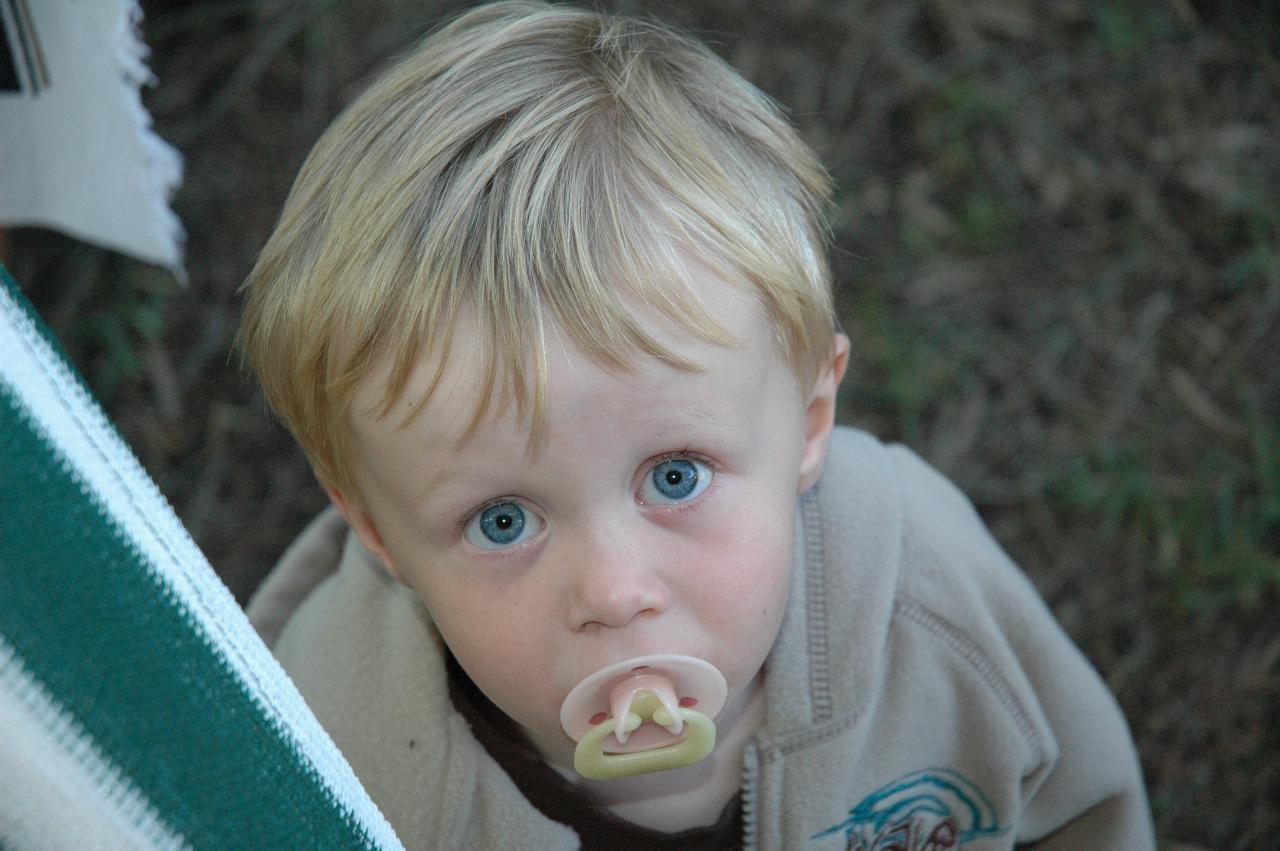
938	602
965	674
932	538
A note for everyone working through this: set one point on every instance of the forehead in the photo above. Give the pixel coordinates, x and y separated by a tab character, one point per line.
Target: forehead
469	374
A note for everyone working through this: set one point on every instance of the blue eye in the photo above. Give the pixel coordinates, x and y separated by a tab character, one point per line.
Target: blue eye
502	525
675	480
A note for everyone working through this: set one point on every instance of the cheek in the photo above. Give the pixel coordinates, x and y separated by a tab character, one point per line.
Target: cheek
474	625
490	631
500	640
745	565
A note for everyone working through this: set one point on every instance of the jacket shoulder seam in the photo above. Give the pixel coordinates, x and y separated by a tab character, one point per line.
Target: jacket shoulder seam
967	649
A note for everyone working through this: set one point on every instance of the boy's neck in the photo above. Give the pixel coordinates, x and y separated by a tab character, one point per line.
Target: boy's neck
693	796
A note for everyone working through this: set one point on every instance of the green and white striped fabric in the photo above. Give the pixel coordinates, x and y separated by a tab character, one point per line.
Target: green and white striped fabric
138	709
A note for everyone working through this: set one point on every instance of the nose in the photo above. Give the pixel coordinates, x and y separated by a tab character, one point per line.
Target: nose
614	583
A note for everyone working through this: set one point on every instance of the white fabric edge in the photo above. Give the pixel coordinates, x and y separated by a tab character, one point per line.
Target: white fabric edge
57	790
73	422
164	163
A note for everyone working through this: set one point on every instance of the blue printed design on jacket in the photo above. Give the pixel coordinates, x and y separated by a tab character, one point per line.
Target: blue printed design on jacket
930	810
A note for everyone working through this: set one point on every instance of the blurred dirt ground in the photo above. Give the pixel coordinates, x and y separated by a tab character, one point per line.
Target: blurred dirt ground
1057	239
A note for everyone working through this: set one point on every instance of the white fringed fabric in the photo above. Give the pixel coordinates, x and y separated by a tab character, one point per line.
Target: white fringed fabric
77	151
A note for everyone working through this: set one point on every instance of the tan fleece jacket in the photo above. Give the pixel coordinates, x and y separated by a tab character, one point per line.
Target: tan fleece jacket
919	695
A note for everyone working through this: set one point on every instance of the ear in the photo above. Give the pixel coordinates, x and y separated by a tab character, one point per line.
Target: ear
361	521
820	414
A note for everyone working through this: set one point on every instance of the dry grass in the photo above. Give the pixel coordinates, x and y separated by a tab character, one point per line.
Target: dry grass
1058	242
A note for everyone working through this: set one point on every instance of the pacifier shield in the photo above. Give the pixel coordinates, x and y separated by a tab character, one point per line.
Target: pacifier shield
697	684
645	714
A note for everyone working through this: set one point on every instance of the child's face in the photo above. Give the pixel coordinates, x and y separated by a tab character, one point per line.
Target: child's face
656	519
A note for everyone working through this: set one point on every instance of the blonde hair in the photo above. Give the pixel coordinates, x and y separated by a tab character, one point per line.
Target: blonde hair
536	164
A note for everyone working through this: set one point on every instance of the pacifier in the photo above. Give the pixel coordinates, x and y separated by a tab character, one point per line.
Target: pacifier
647	714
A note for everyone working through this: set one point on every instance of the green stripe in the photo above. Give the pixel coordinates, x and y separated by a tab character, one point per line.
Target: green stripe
112	645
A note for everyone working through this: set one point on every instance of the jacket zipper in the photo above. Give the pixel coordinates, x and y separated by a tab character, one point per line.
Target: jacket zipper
750	797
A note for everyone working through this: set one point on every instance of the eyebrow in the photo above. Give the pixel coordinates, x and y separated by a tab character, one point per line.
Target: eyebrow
700	414
707	420
697	423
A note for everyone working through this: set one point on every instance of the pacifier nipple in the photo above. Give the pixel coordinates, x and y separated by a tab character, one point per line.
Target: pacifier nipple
628	689
646	714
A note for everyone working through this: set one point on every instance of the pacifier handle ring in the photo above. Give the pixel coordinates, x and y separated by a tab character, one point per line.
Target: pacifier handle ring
591	762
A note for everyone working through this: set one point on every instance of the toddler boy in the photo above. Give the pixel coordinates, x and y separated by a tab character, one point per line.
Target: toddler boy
548	311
